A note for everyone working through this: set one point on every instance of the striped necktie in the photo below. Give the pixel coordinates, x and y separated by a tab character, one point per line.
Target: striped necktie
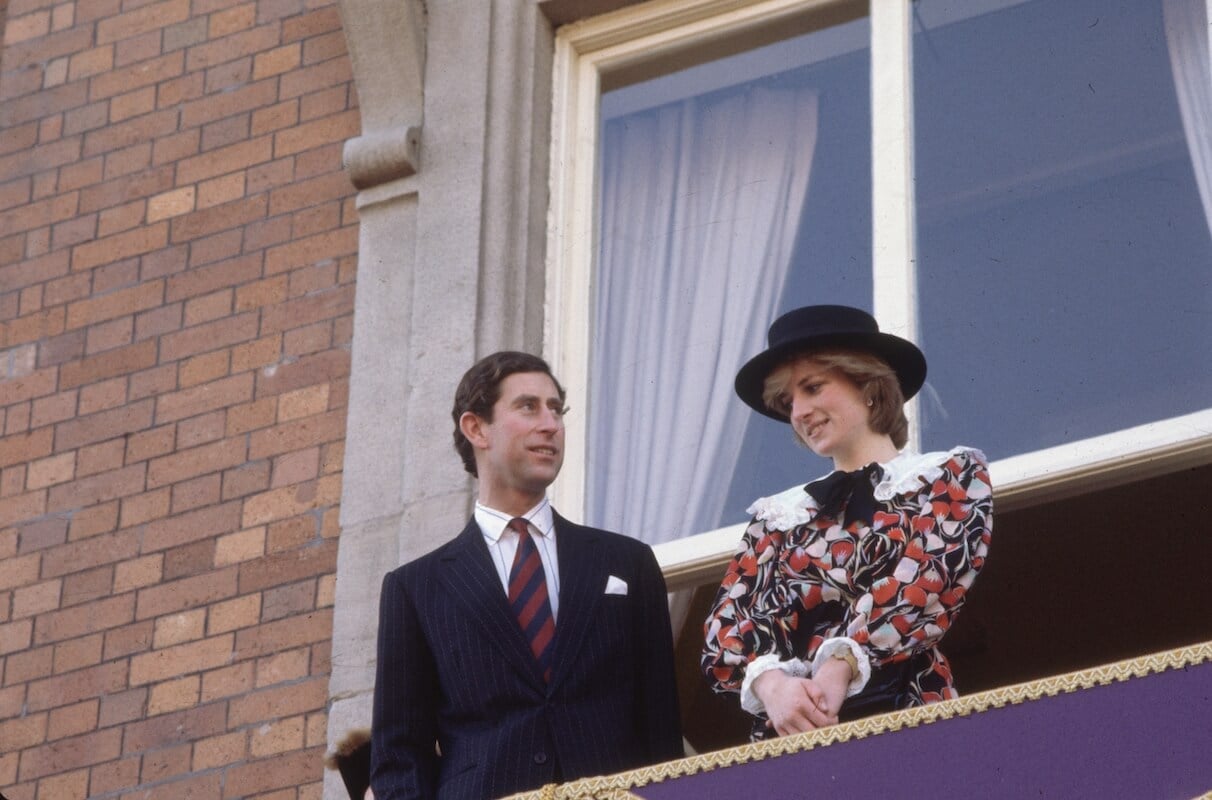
528	597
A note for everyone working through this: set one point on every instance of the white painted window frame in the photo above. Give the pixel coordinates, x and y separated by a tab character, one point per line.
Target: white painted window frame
587	50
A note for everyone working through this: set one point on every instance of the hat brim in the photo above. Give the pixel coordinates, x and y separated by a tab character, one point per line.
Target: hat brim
902	355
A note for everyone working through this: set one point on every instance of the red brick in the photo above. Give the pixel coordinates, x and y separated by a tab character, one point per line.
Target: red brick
218	218
15	636
306	371
39	213
104	425
246	479
206	786
311	250
153	381
283	634
204	280
267	176
262	775
207	397
176	728
99	457
121	707
103	548
127	640
211	336
22	506
69	754
110	364
72	721
225	131
182	659
173	596
66	289
33	270
288	567
296	435
326	130
29	665
181	90
137	48
120	303
145	507
209	366
37	159
199	310
201	429
262	293
18	734
132	104
192	526
165	763
184	34
144	73
216	247
121	190
275	117
40	325
49	410
196	461
310	192
322	48
254	355
296	467
91	521
76	654
244	43
149	444
25	447
142	20
166	261
128	160
224	160
76	686
227	681
311	24
39	534
303	341
271	704
158	321
114	248
238	100
83	620
114	776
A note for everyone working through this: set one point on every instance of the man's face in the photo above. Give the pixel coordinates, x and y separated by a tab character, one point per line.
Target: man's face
520	452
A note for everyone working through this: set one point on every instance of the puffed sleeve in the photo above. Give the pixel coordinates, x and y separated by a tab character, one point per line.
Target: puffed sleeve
946	525
751	611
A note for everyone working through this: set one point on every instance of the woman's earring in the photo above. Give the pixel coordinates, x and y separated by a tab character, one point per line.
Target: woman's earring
870	403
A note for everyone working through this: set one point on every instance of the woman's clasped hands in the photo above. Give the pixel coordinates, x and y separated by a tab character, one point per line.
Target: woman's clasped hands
796	705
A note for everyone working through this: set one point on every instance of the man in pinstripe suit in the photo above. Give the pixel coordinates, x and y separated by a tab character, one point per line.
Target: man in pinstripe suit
466	704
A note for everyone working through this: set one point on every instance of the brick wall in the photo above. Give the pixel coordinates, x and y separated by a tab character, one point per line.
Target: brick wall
177	259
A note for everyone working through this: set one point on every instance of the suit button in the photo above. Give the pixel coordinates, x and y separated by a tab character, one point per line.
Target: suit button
540	758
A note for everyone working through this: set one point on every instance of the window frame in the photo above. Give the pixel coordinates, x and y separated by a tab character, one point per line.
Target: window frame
589	51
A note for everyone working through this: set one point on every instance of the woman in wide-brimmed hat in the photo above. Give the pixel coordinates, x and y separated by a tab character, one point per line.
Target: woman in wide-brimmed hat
840	590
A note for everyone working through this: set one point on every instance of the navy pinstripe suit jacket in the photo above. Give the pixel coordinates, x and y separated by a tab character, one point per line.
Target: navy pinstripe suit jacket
455	670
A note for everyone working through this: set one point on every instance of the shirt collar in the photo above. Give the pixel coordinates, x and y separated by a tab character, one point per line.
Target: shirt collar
492	522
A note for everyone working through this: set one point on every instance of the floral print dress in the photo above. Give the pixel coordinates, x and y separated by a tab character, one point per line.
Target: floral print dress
807	580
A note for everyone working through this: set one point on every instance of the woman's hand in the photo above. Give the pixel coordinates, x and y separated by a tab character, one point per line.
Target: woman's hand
795	705
834	676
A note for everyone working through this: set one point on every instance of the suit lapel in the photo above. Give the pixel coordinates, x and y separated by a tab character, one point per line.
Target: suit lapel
467	570
582	582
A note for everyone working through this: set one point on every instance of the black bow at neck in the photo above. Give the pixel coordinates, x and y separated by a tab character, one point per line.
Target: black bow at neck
853	491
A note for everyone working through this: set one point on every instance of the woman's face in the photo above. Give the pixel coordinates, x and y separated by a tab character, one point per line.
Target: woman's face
828	412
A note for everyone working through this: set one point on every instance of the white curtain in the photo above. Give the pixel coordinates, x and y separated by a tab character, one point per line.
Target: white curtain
1187	33
701	200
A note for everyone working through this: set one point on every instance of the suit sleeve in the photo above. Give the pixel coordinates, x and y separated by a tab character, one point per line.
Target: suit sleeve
404	763
658	710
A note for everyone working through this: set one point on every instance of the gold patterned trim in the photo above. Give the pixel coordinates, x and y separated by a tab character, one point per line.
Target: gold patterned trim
615	787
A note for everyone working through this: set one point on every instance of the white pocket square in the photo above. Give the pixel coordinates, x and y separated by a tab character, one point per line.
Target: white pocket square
616	585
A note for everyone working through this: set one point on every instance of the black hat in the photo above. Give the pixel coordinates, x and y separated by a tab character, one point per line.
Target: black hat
826	327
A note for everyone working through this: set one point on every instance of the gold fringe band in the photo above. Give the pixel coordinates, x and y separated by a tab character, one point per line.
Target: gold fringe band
615	787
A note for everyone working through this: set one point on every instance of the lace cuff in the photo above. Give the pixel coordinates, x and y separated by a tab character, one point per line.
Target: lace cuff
762	664
837	644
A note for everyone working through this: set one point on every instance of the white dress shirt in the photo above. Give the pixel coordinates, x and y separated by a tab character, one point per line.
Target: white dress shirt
502	544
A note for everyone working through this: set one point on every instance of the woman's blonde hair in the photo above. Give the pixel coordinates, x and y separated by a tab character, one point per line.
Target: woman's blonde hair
876	381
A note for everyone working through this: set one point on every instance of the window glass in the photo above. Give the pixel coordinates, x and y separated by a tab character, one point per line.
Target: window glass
1064	256
729	192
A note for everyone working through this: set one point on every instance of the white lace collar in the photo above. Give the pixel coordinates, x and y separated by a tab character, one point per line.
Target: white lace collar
903	474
